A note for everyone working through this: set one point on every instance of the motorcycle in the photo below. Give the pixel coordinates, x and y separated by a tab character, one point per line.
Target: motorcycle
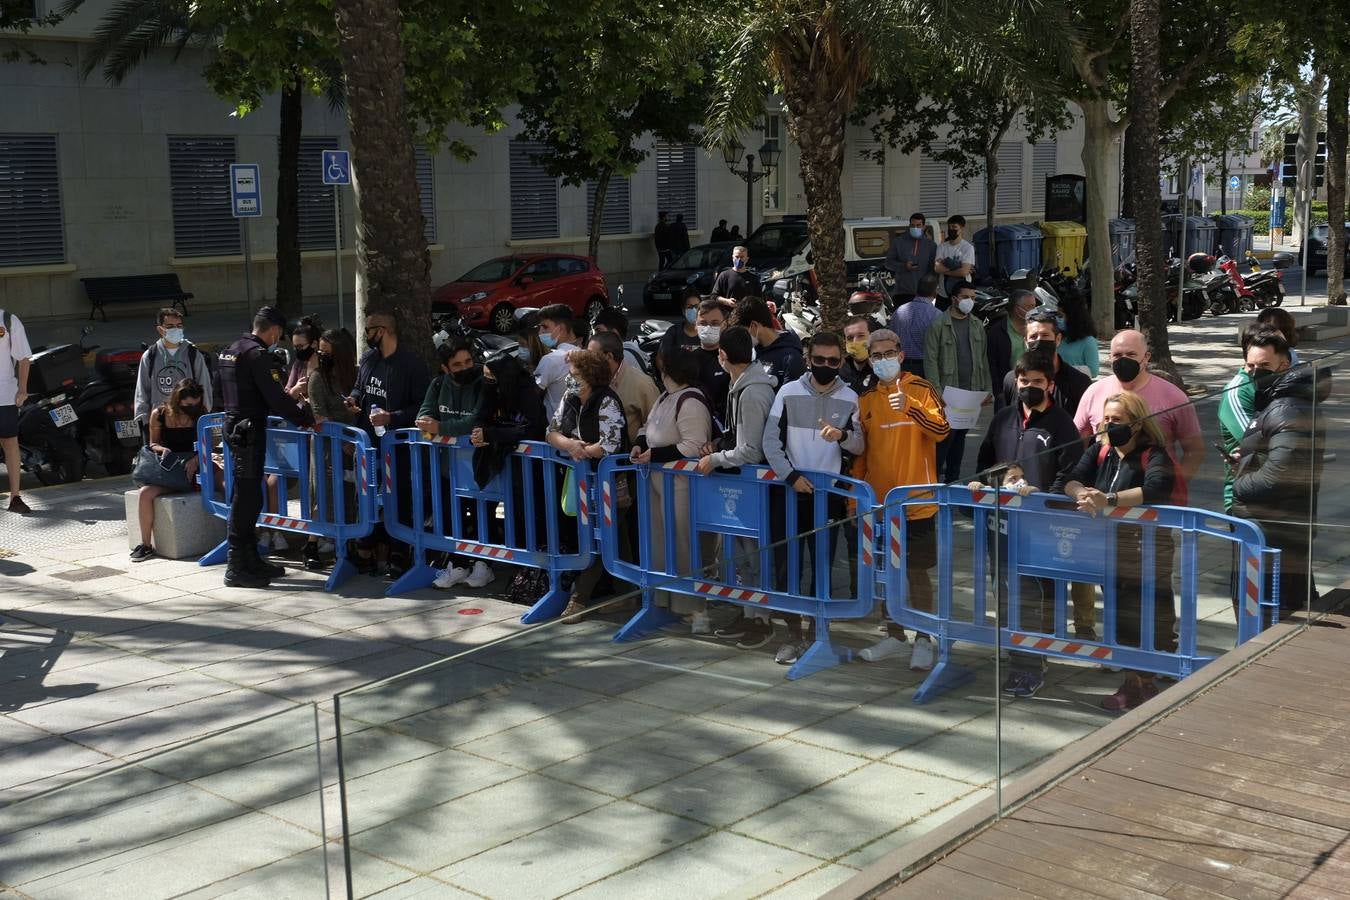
872	298
1194	300
106	408
1265	285
1127	296
488	347
49	446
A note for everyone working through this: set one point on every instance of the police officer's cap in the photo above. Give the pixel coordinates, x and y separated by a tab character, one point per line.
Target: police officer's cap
271	314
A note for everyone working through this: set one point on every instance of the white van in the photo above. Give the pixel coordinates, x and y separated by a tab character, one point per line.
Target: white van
865	244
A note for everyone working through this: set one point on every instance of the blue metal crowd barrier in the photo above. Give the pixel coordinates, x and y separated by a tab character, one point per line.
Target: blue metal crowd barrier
1047	537
459	517
729	538
315	466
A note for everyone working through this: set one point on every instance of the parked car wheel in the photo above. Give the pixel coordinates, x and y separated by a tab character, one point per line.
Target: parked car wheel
503	318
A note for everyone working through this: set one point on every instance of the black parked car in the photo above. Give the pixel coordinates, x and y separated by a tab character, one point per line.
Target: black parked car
697	266
774	244
1317	248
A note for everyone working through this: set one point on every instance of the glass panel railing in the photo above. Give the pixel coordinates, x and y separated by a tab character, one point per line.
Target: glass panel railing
235	811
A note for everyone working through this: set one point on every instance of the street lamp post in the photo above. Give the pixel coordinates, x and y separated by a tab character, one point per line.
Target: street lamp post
768	161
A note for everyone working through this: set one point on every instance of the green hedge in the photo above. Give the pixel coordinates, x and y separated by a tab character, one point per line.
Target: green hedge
1261	217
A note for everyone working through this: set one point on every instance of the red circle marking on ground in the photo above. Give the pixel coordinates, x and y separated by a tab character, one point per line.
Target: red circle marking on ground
471	611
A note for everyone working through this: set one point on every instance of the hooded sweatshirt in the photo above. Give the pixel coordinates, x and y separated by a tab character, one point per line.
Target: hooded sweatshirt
457	407
748	404
783	359
161	368
792	439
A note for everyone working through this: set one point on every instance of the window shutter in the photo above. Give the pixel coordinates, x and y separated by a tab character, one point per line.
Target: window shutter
1043	164
677	181
970	199
867	185
199	182
316	198
617	216
1008	199
426	191
31	230
933	184
534	194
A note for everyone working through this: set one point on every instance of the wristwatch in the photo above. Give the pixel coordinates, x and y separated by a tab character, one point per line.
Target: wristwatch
1111	498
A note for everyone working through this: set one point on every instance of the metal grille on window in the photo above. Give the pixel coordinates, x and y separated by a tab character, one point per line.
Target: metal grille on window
31	230
426	191
677	181
199	183
1043	164
970	199
866	184
316	198
617	216
772	185
1008	198
933	181
534	194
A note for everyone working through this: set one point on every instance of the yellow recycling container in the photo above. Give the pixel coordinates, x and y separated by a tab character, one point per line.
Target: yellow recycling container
1065	246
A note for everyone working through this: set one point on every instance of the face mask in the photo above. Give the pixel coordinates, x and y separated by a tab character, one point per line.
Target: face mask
1125	369
887	369
191	409
465	376
523	354
548	340
173	335
709	334
857	350
1263	380
374	342
325	360
916	233
304	353
691	315
965	305
1045	347
1031	396
824	375
1119	435
738	264
952	234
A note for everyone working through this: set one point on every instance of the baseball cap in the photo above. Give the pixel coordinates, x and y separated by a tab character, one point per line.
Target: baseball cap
271	314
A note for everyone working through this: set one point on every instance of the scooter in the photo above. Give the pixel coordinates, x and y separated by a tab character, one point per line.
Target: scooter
1127	296
49	446
1266	285
487	347
872	299
108	429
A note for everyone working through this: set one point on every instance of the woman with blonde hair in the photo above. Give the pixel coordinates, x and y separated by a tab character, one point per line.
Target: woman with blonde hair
1128	465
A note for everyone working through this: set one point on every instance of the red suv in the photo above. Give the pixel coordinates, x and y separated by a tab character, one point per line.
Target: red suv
489	294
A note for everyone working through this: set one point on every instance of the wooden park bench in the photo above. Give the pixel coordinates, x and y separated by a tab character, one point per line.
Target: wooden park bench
134	289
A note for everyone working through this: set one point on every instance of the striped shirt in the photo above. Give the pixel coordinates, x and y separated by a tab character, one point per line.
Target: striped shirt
911	322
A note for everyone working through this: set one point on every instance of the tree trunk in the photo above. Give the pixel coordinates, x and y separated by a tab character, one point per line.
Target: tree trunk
1223	185
390	242
1145	198
1309	98
289	296
816	124
990	202
1127	178
597	214
1099	130
1338	99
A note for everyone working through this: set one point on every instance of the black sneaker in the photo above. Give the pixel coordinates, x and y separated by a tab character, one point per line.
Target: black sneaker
238	576
16	505
365	565
142	553
310	555
733	632
790	652
757	634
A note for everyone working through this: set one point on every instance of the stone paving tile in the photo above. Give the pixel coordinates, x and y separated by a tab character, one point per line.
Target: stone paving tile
492	712
570	733
813	884
422	888
44	758
415	785
694	692
879	728
100	675
296	877
121	703
888	843
134	735
330	679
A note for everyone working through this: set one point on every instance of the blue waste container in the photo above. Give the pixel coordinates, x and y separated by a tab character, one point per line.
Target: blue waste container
1015	247
1122	241
1234	236
1200	235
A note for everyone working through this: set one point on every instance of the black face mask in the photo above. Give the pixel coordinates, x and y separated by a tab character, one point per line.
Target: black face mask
466	376
1031	396
1125	369
1119	434
1264	380
952	234
304	353
1043	347
325	360
824	375
374	342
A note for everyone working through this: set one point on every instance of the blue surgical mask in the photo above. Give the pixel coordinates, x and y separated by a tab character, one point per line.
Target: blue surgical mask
886	369
523	354
916	233
548	340
738	263
691	315
173	335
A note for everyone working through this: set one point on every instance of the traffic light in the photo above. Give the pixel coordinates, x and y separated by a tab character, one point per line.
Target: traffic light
1289	168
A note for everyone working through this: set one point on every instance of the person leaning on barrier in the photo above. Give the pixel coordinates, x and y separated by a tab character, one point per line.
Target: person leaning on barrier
590	426
615	320
680	424
780	353
1128	465
329	384
1280	459
636	391
558	334
250	390
742	444
902	425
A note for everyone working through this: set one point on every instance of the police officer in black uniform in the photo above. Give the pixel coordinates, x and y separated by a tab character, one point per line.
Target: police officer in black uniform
251	388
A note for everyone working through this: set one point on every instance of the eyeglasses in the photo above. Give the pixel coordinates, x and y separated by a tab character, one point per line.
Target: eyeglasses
889	354
832	362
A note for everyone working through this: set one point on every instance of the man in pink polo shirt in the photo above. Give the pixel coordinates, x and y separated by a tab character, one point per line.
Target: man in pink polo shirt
1172	411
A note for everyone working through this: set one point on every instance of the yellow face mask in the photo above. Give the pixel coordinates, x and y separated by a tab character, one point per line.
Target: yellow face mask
856	349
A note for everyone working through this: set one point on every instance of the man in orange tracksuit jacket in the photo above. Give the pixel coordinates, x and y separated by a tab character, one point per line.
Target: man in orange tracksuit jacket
903	422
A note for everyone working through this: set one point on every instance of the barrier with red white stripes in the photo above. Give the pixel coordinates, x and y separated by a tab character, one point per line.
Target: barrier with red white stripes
742	537
510	513
1043	544
324	485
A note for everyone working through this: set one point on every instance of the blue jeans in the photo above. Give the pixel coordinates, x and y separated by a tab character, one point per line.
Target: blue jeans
949	455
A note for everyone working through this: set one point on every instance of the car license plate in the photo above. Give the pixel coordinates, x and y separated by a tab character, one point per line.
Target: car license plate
656	296
64	415
127	429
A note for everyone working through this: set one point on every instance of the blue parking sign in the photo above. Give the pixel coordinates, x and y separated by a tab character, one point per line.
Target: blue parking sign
337	167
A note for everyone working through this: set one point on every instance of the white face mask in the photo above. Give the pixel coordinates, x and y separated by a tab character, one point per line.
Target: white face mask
709	334
965	304
173	335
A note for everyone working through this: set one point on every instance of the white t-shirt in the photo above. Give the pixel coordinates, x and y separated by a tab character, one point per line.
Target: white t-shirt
962	249
13	347
551	375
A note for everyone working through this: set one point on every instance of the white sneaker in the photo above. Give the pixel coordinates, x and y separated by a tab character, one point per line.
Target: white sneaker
450	576
279	541
700	624
326	546
481	576
886	647
923	655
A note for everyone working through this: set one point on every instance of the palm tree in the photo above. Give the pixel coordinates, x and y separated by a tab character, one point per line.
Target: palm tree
238	70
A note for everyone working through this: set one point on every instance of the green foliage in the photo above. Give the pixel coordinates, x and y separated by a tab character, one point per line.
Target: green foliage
1258	198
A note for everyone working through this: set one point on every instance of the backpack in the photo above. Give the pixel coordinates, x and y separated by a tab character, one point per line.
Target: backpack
1180	495
193	353
717	429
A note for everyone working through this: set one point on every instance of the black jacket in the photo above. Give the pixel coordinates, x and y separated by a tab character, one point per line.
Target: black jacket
1109	472
783	359
731	283
396	383
998	348
1046	445
250	382
1070	386
513	411
1280	469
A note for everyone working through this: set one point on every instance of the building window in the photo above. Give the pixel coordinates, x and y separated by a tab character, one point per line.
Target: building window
534	194
19	10
773	184
934	176
199	183
677	181
426	192
969	200
316	198
1008	197
866	182
617	216
31	232
1044	161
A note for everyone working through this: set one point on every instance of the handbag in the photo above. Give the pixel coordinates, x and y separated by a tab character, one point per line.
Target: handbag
569	495
169	472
